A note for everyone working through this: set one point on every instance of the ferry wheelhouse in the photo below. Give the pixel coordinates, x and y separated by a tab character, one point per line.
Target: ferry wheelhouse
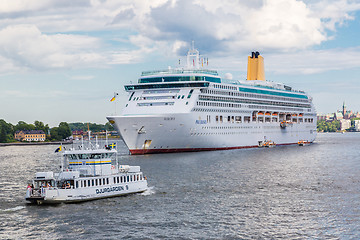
86	174
193	109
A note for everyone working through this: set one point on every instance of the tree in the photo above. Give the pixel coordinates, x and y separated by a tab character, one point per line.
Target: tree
24	126
6	131
109	127
64	130
54	134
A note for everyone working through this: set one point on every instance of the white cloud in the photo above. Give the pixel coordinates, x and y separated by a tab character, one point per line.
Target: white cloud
221	28
24	46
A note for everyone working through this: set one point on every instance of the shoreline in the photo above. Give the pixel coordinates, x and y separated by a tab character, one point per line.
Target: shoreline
33	143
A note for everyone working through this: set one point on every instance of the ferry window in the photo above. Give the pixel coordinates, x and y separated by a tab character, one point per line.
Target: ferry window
84	183
238	119
221	119
92	182
182	97
114	179
103	181
81	183
137	177
140	176
96	182
128	178
89	183
121	179
229	119
217	118
77	184
99	182
107	180
118	180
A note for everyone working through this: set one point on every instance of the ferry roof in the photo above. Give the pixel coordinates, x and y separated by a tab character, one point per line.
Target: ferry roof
88	151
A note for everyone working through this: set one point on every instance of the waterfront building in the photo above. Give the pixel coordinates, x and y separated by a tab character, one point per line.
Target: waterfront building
30	135
345	124
357	125
77	134
326	117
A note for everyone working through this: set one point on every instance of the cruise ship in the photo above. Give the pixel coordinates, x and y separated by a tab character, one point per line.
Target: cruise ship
193	109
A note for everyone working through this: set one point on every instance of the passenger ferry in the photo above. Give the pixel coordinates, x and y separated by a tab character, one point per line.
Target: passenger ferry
87	173
193	109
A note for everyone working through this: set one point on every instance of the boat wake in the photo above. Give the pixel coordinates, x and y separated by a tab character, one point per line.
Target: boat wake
14	209
148	191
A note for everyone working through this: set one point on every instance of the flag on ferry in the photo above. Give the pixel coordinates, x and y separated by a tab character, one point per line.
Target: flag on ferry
114	97
112	145
58	149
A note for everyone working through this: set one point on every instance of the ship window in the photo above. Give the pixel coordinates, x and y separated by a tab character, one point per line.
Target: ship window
84	183
81	183
118	180
77	184
138	177
103	181
114	179
221	119
182	97
107	180
128	178
229	118
89	183
217	118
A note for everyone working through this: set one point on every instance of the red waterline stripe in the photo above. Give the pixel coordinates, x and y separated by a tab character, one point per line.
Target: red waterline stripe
172	150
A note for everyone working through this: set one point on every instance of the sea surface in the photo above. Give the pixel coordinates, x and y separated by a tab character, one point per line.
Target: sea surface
285	192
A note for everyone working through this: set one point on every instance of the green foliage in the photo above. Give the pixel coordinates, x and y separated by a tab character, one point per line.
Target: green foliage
6	131
21	125
324	126
92	126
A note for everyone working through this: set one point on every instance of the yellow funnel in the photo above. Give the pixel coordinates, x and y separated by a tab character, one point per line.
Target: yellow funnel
255	69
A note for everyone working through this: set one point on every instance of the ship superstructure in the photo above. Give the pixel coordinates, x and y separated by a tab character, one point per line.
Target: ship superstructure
193	109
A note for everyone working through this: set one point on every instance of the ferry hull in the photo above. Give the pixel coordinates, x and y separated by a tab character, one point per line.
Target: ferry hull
187	132
57	196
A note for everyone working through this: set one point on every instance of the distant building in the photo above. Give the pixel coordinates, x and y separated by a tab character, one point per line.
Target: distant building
338	116
345	124
77	134
30	135
325	117
357	125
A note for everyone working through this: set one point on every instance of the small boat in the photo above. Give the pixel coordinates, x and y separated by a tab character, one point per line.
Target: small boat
267	144
303	143
86	173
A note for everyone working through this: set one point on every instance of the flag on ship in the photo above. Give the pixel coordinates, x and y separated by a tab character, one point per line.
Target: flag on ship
114	97
113	145
58	149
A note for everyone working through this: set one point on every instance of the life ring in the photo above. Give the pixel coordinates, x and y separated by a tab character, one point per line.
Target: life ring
112	167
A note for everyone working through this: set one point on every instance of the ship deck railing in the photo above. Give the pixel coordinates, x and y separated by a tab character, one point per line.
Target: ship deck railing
180	71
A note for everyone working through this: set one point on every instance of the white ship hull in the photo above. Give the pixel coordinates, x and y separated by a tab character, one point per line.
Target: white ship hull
185	132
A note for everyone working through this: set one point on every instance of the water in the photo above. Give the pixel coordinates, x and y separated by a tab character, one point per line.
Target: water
286	192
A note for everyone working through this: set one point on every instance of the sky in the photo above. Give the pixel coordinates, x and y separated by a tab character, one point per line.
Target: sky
63	60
